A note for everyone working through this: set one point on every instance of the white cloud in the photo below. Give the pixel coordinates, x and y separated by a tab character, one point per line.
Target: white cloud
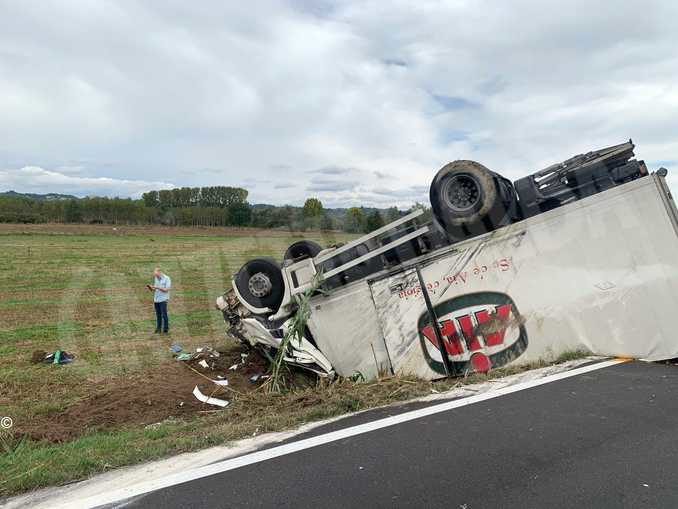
217	94
32	179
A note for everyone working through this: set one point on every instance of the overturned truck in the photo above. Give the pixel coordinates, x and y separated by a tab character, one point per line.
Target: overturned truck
582	255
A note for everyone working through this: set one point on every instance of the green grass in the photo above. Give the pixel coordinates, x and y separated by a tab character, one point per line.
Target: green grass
84	292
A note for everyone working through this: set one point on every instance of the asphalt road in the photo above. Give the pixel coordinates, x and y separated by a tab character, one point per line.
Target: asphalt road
608	438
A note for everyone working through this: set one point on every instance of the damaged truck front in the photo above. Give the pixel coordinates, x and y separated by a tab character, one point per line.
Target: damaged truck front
581	255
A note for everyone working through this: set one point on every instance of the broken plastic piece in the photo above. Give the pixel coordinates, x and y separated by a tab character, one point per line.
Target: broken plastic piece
206	399
176	348
59	357
221	382
204	364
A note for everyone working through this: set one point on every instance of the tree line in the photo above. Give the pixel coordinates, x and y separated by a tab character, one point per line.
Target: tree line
197	206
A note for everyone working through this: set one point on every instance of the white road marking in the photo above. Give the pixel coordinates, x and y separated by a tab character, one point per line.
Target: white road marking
112	497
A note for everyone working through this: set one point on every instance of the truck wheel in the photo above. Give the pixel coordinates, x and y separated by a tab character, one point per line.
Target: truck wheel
302	249
468	199
527	196
260	283
462	192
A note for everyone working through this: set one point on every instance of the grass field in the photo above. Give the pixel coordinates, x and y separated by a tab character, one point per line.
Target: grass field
125	399
81	289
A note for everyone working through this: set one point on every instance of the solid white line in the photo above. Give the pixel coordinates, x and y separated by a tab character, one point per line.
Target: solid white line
275	452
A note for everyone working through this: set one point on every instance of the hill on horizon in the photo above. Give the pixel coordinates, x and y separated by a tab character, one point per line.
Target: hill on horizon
39	197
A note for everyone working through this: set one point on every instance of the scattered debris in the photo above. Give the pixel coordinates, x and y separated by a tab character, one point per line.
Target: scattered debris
202	352
209	400
259	376
222	383
234	367
168	387
57	357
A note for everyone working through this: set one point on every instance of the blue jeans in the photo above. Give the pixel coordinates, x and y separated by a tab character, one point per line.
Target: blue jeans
162	320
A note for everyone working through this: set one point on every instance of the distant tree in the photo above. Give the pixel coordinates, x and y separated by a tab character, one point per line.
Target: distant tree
392	214
165	199
326	223
151	198
426	217
72	212
373	221
240	214
355	220
313	207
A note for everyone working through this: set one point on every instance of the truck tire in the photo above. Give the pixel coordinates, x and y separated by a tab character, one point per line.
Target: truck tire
356	272
527	196
468	200
260	282
302	249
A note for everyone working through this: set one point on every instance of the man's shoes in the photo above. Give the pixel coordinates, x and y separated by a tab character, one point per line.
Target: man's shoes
157	331
165	332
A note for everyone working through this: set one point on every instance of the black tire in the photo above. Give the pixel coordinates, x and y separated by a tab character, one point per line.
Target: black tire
356	272
302	249
260	282
527	196
468	200
403	252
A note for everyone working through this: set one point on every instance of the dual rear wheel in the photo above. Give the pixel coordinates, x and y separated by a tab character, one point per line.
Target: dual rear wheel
468	199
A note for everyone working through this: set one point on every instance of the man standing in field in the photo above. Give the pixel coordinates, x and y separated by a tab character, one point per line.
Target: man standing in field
161	287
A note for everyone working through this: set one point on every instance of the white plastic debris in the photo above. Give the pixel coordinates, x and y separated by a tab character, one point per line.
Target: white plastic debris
234	367
221	382
204	364
206	399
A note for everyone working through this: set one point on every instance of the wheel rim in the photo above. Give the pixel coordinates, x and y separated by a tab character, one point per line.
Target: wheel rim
461	193
260	285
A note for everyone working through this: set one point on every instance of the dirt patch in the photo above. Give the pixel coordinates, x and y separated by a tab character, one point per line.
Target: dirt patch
152	397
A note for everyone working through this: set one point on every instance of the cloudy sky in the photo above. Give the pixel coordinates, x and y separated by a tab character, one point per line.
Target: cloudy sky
353	102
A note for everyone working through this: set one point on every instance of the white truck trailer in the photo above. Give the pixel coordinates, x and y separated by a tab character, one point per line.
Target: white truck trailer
599	273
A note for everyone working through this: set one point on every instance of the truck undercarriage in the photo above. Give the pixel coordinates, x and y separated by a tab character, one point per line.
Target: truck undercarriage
467	200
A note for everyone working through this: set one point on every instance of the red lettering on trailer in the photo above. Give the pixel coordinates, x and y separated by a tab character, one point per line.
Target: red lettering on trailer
502	313
461	328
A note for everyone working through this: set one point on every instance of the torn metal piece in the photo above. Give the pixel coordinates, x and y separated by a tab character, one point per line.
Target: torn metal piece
210	401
